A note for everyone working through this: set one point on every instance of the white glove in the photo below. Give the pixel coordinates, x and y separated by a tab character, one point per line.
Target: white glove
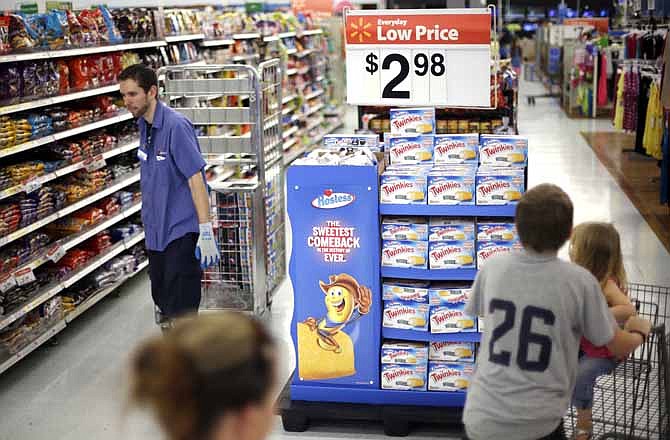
206	249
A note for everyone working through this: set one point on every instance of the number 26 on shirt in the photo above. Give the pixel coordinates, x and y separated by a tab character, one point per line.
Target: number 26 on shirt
526	336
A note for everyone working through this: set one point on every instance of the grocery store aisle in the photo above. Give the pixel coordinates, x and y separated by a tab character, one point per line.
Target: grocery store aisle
75	390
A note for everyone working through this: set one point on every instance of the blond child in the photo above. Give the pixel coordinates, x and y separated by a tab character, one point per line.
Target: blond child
596	247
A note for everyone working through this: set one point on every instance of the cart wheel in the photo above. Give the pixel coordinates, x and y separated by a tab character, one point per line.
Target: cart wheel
396	428
293	422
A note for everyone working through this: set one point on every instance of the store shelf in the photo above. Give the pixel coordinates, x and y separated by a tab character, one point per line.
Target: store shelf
288	133
449	210
287	99
310	32
314	94
247	36
291	51
29	56
61	324
304	53
45	178
411	335
182	38
314	124
25	351
122	183
95	298
289	143
271	38
216	43
430	274
124	116
57	99
73	240
290	72
314	109
287	34
248	57
375	396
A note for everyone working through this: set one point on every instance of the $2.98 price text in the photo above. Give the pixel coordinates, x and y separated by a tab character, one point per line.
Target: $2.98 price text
422	64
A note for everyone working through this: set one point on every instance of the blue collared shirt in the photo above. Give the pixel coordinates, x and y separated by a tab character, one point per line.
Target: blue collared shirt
167	162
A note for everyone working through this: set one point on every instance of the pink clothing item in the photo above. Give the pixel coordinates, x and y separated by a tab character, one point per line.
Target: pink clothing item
598	352
602	81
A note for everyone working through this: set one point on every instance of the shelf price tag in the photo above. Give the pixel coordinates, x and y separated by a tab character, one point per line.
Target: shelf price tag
32	185
7	282
56	253
419	57
25	276
95	163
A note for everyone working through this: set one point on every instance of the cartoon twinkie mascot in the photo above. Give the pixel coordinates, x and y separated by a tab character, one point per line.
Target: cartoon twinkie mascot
325	351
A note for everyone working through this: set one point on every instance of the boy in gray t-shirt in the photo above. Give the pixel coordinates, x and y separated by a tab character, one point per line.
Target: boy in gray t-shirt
536	308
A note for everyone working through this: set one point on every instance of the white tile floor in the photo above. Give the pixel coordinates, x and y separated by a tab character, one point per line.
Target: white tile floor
75	389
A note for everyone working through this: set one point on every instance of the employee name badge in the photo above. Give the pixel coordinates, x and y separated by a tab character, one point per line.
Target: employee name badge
447	311
161	155
499	186
404	353
503	150
417	58
489	249
407	188
455	148
405	254
141	154
406	315
444	376
411	149
404	377
452	254
413	229
452	351
451	187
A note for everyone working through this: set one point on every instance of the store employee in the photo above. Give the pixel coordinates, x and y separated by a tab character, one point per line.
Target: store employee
175	204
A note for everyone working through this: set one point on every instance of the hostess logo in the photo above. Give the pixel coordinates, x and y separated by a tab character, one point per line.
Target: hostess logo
333	200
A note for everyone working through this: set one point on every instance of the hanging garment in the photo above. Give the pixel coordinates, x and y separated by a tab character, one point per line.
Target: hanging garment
665	77
642	102
653	133
630	98
602	81
665	165
618	103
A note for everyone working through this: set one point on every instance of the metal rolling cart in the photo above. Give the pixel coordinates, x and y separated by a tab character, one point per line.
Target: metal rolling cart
235	111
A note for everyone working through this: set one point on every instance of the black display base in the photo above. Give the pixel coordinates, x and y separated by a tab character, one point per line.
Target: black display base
398	420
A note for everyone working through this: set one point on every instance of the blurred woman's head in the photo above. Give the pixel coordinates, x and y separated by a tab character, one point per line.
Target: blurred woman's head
211	378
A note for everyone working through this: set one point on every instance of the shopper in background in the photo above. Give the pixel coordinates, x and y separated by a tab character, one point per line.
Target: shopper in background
536	308
597	248
175	203
211	377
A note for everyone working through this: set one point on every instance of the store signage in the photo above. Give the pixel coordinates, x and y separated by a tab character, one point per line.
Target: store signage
25	276
600	24
334	272
419	57
56	253
7	282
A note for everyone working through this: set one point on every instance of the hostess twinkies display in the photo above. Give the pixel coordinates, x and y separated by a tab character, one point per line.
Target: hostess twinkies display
405	305
451	254
489	249
444	376
404	353
490	229
452	185
446	351
405	228
451	229
403	186
405	253
499	186
404	377
334	270
370	141
412	121
503	150
410	149
447	309
455	148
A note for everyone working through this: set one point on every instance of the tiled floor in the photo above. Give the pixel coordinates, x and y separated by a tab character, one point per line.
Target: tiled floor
75	389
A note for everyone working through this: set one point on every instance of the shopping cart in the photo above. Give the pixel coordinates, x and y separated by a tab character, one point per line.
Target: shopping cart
632	402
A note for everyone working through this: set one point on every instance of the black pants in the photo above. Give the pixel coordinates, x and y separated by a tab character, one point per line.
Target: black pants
175	277
558	434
